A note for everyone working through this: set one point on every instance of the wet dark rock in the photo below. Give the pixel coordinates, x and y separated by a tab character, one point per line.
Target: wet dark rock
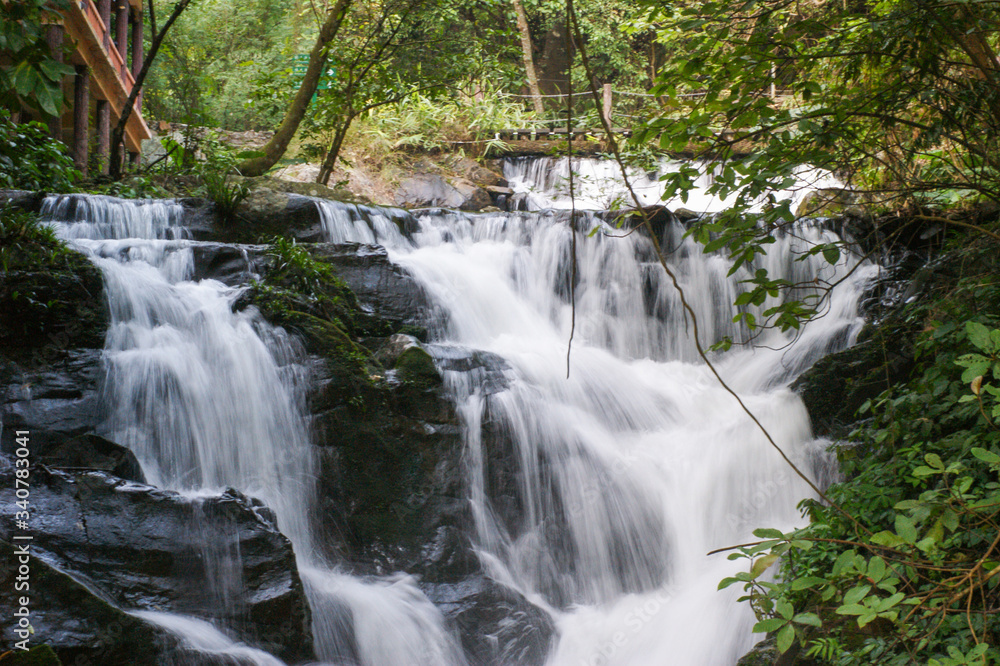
84	452
57	401
264	214
497	625
220	558
230	264
29	201
383	288
78	624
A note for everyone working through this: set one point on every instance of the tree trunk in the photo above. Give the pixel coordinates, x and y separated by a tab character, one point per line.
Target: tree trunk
529	60
276	147
331	157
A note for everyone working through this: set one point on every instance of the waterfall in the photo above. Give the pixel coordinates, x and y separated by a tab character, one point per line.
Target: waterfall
209	398
543	183
595	496
598	495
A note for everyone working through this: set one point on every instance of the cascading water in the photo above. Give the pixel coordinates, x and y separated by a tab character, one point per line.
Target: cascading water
598	495
209	398
541	183
595	496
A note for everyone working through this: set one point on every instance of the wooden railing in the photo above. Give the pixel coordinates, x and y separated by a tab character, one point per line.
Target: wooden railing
83	23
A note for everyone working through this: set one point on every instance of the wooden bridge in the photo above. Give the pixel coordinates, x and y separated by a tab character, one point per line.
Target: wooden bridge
107	55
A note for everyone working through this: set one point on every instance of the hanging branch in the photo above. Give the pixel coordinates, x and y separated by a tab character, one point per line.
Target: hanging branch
685	304
115	165
572	194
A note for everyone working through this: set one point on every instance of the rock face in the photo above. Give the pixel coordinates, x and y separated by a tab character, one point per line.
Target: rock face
221	557
81	627
264	213
433	190
381	286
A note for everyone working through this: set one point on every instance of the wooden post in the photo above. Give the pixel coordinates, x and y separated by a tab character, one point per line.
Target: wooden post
104	9
606	111
137	49
81	118
121	33
103	133
54	38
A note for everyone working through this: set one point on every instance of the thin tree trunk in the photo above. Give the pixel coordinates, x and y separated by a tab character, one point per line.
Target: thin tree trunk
115	163
276	147
331	157
529	60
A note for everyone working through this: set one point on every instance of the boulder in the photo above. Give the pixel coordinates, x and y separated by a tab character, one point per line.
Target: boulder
232	265
433	190
411	361
381	287
266	212
496	624
472	170
29	201
220	558
90	452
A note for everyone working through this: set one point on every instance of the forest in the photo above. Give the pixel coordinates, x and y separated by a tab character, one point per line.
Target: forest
841	144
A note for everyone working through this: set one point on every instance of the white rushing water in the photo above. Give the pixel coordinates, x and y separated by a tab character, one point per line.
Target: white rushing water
627	472
543	183
595	496
209	398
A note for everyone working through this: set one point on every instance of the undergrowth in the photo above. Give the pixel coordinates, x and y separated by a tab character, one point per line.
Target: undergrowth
912	576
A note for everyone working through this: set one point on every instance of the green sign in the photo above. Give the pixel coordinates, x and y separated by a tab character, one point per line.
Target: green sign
300	65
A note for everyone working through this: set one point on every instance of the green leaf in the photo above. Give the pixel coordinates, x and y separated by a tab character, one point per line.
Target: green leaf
979	335
856	594
986	456
851	609
905	528
785	638
807	582
761	564
769	625
808	618
767	533
876	569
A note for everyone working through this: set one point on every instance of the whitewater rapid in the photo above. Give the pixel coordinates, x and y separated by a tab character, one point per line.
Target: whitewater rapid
599	474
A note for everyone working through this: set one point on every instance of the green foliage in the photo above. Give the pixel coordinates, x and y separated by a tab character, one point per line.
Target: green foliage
31	160
897	98
912	577
24	243
49	294
208	67
422	123
30	75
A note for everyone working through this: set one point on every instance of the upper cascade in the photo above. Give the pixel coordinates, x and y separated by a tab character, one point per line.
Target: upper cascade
540	183
105	218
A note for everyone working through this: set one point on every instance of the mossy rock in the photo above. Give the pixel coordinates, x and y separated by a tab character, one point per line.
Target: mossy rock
40	655
417	366
51	297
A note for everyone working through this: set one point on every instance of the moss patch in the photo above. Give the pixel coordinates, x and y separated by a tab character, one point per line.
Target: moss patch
51	297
